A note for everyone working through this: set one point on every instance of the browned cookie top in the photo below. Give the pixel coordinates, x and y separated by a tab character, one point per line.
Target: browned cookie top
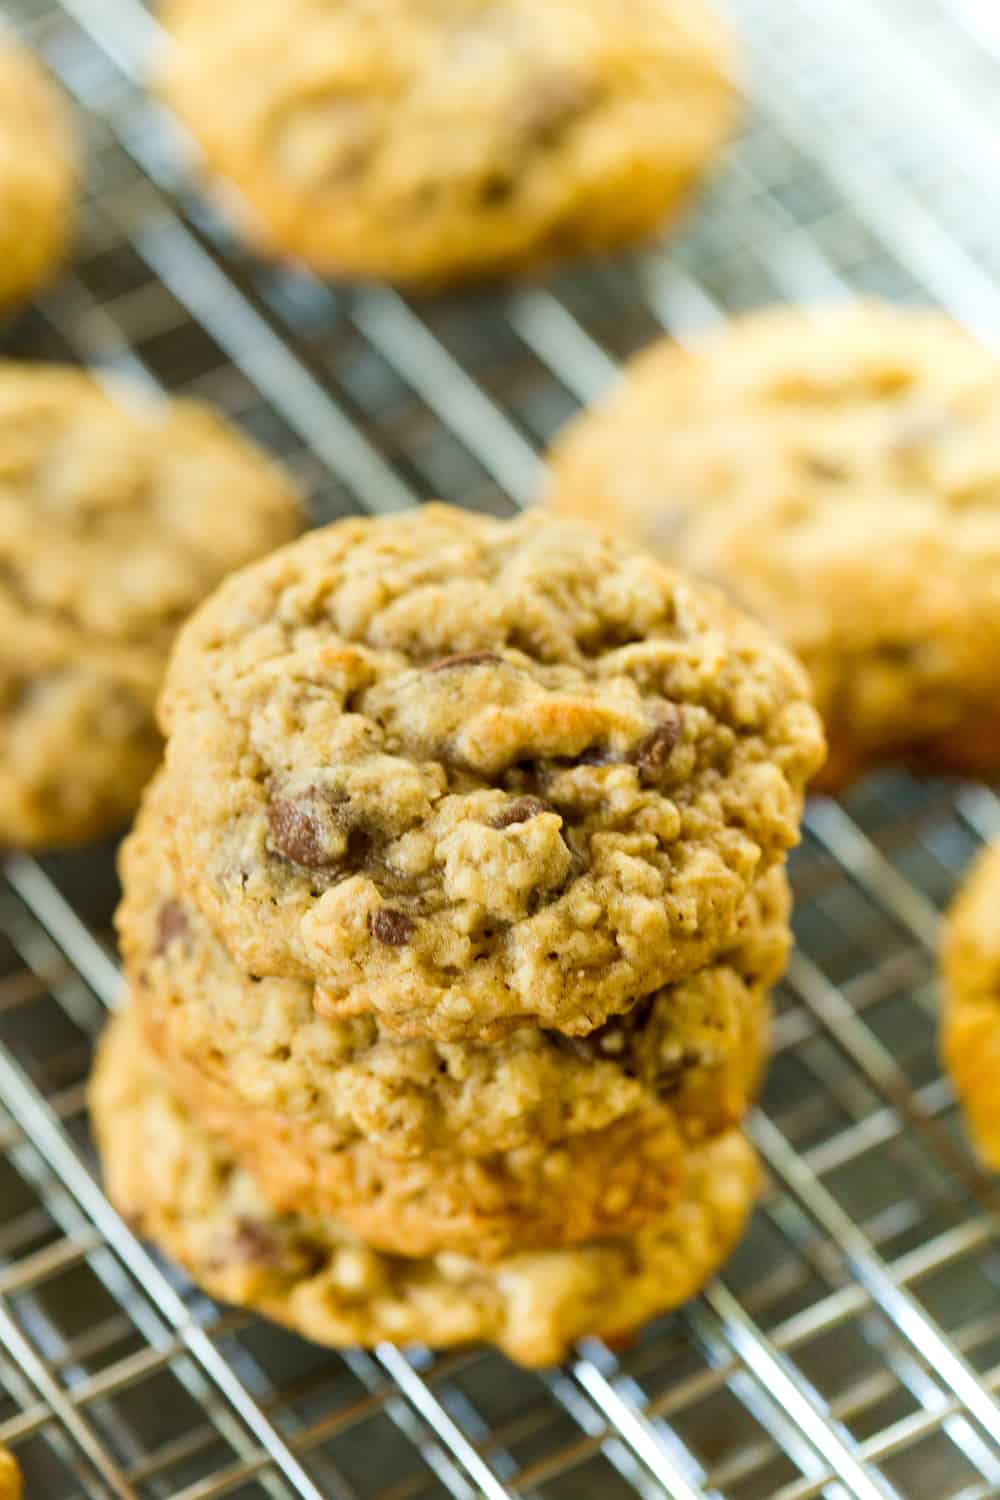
470	774
425	140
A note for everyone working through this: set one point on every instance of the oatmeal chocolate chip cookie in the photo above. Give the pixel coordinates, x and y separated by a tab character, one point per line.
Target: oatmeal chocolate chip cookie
839	473
115	519
185	1192
10	1476
971	1023
470	775
434	140
696	1045
540	1196
38	173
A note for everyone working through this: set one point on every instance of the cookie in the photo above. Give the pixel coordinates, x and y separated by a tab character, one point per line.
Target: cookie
537	1197
839	472
10	1476
685	1062
115	519
429	142
38	174
971	1022
696	1045
469	775
182	1189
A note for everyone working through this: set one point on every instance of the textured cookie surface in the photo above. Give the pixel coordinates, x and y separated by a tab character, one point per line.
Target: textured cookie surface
428	140
38	173
696	1045
184	1191
971	1029
470	774
114	521
840	474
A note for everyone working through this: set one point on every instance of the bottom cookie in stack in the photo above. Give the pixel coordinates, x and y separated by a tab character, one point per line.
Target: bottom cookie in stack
184	1190
971	1023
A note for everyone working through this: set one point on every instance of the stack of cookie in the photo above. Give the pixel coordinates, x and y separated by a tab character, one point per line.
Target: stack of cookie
449	927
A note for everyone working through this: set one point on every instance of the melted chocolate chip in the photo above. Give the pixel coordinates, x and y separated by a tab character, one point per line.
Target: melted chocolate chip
297	831
255	1244
394	928
171	923
653	753
649	756
520	811
466	659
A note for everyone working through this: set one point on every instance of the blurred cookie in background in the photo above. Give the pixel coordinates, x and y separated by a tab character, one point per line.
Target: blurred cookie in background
426	143
838	472
38	174
10	1476
971	1020
116	516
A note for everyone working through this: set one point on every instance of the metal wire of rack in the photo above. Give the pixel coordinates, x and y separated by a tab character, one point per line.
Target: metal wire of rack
852	1347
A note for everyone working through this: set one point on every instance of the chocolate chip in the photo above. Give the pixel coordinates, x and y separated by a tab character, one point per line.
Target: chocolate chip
466	659
394	928
520	811
171	923
297	830
254	1243
653	753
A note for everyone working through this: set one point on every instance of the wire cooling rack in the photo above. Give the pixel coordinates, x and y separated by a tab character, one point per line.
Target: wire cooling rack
852	1347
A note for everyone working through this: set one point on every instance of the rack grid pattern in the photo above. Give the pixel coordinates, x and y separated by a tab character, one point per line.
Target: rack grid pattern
851	1349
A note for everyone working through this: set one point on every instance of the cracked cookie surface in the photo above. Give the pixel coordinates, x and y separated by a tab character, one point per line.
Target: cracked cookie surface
432	140
116	517
696	1045
971	1020
469	775
179	1187
38	173
839	473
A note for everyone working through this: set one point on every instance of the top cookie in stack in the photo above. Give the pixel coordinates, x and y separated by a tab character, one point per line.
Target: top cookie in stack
468	775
